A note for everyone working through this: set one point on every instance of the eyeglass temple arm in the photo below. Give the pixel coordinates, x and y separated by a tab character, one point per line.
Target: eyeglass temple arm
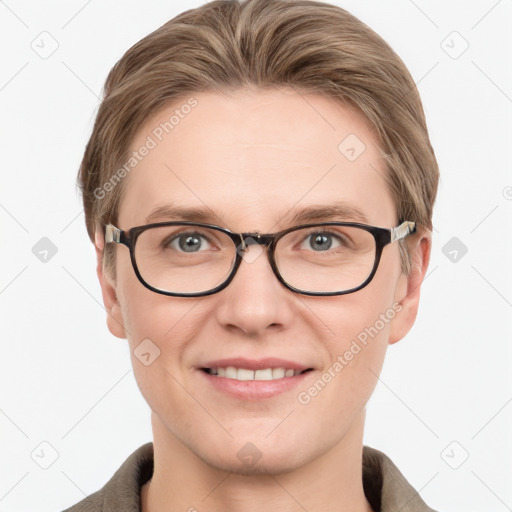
112	234
406	228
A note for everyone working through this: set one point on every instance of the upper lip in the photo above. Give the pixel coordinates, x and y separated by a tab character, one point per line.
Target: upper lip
255	364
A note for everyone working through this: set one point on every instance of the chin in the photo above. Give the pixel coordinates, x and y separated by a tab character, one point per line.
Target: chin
267	464
257	455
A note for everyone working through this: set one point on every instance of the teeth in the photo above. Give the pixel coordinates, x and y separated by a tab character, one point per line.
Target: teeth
231	372
263	374
278	373
244	374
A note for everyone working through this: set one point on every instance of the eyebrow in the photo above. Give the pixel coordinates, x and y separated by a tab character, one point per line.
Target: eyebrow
339	210
185	213
336	211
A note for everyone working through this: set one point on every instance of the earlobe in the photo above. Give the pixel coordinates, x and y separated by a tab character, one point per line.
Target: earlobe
408	289
115	320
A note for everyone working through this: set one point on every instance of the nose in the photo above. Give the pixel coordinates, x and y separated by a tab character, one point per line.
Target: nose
255	301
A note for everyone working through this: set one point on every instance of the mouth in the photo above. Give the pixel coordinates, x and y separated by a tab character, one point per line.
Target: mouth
249	379
246	374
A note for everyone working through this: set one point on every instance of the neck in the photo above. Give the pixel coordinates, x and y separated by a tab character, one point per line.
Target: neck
183	481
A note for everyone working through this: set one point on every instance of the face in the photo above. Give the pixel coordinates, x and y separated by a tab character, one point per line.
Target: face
255	159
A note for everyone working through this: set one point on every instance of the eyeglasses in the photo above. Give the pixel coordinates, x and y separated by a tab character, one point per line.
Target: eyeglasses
188	259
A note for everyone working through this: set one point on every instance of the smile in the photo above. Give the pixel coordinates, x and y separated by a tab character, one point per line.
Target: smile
254	379
244	374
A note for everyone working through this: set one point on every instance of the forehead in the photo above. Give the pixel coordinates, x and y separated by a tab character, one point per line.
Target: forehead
254	158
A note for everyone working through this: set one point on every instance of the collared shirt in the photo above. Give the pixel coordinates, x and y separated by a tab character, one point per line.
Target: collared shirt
386	489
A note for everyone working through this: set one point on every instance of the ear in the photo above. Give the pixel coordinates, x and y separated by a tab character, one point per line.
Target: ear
115	320
407	293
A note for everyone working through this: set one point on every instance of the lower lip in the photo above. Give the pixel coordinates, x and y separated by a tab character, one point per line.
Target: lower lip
254	389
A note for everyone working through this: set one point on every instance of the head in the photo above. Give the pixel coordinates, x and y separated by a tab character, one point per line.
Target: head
254	112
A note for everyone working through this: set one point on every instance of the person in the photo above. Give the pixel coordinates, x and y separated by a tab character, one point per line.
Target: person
259	187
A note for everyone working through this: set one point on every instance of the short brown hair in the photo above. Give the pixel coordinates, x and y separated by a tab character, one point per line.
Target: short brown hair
311	46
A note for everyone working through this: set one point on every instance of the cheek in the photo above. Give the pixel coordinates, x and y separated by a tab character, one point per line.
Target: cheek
360	341
158	328
360	319
357	328
342	389
149	315
161	329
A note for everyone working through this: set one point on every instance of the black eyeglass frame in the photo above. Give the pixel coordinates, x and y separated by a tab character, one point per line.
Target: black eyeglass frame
382	236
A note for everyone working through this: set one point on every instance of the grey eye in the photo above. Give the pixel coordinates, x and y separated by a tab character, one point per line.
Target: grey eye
188	242
320	241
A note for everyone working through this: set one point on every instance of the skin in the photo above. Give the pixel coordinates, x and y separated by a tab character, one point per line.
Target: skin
252	175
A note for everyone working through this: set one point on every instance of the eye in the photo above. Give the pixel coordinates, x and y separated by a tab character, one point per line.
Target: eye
323	241
188	242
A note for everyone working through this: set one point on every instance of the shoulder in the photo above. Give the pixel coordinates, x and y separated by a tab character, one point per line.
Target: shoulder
122	491
386	488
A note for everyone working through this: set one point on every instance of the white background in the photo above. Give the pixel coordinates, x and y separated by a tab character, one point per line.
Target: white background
67	382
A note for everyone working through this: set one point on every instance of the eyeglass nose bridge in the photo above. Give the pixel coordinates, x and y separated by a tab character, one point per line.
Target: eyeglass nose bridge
254	238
